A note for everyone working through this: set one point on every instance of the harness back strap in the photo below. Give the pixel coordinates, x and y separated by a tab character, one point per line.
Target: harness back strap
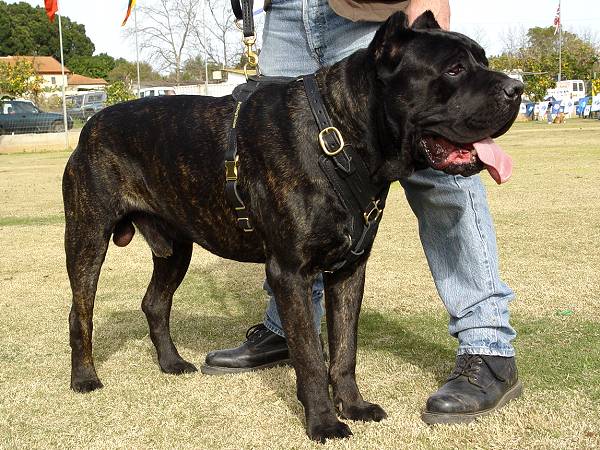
232	194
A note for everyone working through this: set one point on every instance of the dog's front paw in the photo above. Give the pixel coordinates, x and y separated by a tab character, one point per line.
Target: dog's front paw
333	430
178	367
364	411
84	386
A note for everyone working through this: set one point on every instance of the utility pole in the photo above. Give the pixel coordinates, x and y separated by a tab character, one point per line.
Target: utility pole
64	82
137	51
205	49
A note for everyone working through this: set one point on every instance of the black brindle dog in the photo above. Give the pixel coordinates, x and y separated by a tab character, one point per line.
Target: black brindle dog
416	97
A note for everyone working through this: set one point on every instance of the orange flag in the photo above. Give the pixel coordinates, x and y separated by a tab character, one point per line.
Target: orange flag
51	8
129	8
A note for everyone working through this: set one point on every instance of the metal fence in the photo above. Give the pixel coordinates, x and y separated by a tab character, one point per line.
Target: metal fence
34	124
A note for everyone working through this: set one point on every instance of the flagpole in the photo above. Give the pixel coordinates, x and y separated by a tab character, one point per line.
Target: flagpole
62	67
137	51
205	50
559	43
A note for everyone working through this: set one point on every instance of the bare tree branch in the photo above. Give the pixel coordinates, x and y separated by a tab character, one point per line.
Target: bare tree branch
165	32
217	35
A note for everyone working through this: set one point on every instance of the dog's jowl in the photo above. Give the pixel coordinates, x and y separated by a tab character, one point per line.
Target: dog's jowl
415	98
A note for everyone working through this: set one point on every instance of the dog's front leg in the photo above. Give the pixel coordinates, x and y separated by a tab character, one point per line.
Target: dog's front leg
293	296
343	296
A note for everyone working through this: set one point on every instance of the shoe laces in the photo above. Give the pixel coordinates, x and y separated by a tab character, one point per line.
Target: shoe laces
468	365
255	332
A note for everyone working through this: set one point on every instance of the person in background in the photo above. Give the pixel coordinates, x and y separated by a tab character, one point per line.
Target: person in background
299	37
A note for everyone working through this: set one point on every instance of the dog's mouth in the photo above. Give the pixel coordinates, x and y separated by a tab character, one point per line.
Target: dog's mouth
467	159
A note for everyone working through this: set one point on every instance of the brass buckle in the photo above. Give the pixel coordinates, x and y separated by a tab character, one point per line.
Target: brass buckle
373	214
231	169
335	131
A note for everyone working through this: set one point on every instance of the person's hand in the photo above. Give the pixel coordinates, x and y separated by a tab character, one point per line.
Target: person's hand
439	8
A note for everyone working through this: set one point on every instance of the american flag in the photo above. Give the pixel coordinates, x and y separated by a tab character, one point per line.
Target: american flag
557	20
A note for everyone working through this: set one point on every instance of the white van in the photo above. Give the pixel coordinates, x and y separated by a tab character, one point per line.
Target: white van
568	89
157	91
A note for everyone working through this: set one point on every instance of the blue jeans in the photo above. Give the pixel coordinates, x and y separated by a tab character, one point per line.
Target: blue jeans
455	226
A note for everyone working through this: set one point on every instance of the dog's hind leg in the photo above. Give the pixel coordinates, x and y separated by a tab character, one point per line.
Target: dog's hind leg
168	274
86	242
343	295
89	223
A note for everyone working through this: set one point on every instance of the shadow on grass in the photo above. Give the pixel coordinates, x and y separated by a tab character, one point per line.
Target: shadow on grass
215	306
42	220
211	309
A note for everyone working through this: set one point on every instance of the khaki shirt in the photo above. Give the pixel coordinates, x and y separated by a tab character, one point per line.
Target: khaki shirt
367	10
373	11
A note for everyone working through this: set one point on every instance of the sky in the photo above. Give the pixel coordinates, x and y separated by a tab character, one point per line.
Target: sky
484	20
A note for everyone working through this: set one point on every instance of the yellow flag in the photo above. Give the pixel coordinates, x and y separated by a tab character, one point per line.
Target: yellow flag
129	9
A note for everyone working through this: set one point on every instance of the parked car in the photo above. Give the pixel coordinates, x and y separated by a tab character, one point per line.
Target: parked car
157	91
85	105
22	116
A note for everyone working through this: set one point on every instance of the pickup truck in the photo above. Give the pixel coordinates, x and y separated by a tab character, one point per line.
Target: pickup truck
22	116
85	105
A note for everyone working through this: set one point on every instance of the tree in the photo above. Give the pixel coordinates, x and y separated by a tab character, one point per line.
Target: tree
118	92
25	30
217	34
194	70
537	54
165	32
126	72
19	79
596	86
97	66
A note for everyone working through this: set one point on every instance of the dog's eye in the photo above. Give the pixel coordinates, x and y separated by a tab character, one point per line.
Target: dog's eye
455	70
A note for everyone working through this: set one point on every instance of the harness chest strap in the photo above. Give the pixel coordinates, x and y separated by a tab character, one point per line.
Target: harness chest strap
241	93
349	176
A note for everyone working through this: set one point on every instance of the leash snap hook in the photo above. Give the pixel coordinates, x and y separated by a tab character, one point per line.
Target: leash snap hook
250	43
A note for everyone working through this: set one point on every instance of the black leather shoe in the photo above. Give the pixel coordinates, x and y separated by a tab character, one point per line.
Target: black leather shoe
261	350
478	385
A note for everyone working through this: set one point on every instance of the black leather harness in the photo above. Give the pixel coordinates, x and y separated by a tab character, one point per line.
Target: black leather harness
240	94
343	166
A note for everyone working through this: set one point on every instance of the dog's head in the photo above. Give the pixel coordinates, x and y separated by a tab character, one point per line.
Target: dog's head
440	100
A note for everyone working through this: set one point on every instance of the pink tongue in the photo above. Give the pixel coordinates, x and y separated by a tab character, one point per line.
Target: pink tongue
497	163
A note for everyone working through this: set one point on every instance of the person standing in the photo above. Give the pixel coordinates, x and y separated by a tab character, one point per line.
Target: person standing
299	37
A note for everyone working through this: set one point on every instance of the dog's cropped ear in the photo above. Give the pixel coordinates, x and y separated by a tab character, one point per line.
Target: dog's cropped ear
425	21
385	47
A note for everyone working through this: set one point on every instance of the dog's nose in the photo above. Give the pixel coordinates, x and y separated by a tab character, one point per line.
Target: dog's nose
512	88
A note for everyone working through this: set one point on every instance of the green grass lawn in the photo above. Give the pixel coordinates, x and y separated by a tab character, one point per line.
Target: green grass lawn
548	227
